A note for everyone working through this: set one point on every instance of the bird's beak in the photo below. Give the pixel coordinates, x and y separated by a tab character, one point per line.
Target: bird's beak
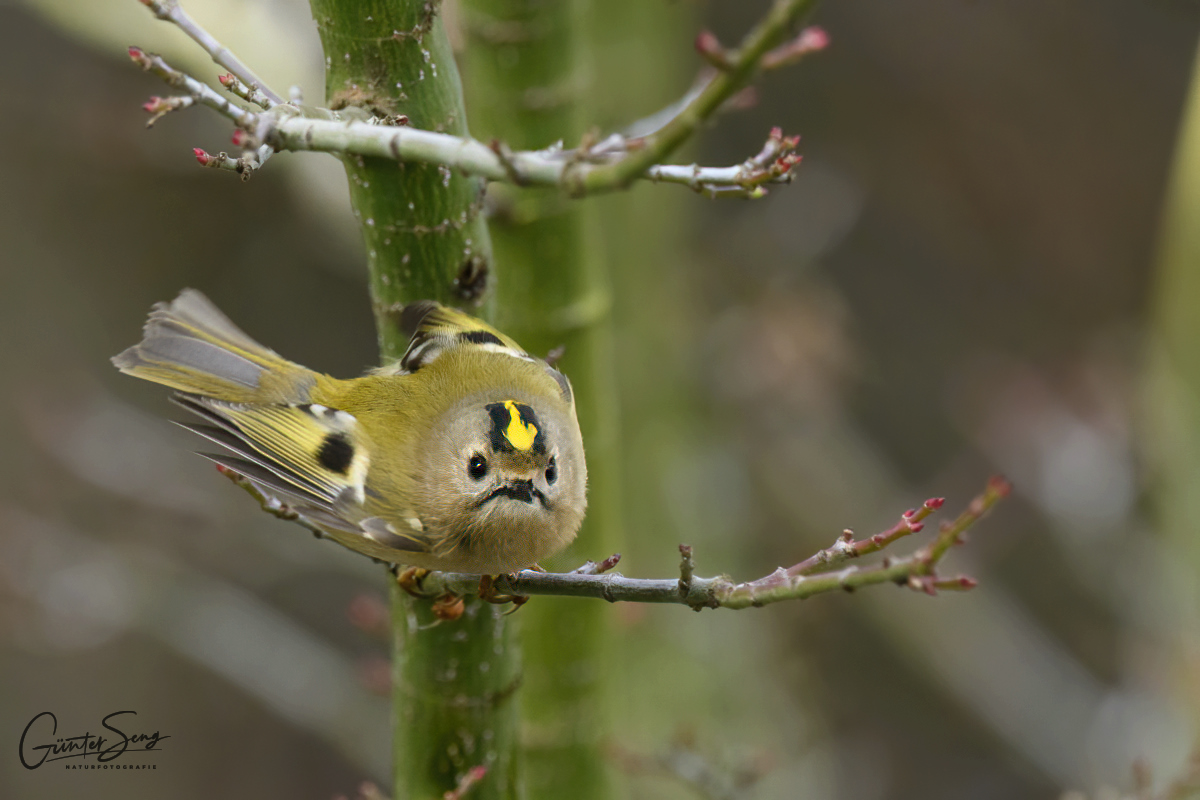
520	490
517	490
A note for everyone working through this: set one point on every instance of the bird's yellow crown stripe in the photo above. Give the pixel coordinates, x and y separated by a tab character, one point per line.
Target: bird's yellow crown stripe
520	434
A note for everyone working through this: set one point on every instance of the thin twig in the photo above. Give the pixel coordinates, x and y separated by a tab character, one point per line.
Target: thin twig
687	570
155	65
171	11
846	548
735	71
256	153
250	94
604	166
647	126
159	107
283	128
918	571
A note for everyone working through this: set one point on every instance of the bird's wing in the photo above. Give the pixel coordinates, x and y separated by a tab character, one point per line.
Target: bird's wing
309	457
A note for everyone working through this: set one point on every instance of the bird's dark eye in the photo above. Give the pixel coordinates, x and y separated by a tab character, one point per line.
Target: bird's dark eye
551	471
477	466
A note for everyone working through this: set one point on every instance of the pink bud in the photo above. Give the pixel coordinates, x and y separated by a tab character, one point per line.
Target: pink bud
226	79
786	163
153	105
239	137
136	53
934	503
909	513
202	156
707	43
916	527
813	38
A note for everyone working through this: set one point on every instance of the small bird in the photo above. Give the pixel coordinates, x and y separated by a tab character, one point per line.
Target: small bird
463	456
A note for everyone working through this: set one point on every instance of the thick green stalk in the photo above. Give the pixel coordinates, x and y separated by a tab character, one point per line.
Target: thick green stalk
526	73
453	682
1173	375
422	224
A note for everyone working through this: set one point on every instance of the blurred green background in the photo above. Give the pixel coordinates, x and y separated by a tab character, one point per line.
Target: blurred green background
963	279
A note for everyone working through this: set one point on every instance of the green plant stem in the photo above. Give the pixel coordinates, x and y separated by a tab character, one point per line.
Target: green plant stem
453	683
421	222
1171	429
525	63
1174	374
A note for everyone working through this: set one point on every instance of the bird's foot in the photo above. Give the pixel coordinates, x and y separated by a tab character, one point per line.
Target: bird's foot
487	591
410	578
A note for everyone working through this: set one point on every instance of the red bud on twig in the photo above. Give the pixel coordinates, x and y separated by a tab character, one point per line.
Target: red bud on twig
809	40
813	38
711	49
608	563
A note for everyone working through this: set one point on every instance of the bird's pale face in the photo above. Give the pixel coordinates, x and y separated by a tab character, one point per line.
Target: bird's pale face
510	484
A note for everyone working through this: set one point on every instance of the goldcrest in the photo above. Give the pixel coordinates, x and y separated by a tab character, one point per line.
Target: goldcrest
463	456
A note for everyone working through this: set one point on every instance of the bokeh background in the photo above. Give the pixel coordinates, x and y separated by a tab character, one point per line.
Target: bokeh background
977	270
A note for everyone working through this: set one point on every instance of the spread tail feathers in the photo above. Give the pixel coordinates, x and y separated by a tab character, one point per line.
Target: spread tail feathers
190	346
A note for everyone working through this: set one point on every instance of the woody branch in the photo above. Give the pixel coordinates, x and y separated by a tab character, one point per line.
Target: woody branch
591	168
825	571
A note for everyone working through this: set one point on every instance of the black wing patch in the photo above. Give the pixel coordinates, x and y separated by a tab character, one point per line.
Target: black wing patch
480	337
436	329
336	453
